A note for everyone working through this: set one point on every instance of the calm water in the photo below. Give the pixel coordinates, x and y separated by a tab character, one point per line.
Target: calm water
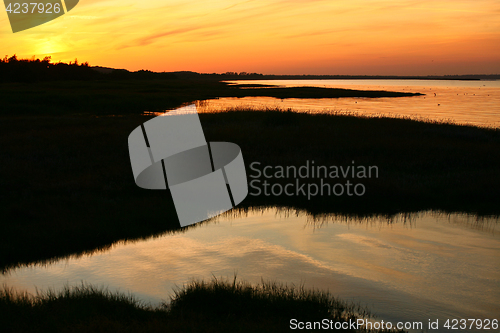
466	102
427	266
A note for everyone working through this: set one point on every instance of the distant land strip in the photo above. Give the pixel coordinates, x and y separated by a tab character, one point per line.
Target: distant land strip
258	76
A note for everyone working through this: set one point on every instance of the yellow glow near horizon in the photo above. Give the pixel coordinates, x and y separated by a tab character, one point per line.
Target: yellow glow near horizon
273	36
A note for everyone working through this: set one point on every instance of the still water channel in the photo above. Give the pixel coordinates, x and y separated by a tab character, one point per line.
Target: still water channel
407	268
464	102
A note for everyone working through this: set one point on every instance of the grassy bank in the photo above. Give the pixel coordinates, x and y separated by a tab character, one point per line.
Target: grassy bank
215	306
121	97
67	186
421	164
40	87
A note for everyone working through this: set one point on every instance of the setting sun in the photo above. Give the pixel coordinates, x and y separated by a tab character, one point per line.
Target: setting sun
281	37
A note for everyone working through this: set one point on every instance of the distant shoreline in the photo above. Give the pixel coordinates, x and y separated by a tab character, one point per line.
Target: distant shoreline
257	76
14	69
376	77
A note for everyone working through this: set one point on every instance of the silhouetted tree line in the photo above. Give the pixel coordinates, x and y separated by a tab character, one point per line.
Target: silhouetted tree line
14	69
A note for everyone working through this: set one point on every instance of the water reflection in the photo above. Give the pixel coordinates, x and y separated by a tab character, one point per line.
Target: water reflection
409	267
464	102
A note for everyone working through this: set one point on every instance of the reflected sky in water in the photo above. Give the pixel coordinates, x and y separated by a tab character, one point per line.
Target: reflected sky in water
418	268
464	102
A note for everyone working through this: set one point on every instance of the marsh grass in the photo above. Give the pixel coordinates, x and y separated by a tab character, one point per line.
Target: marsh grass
423	164
268	300
219	305
82	308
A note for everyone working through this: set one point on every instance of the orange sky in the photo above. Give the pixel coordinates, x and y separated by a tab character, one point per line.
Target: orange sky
272	36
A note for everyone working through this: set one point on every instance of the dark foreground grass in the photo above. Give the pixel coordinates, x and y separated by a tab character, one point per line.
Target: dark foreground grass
66	184
67	188
215	306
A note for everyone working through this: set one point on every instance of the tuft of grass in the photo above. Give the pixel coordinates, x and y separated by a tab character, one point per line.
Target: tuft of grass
218	305
83	308
221	298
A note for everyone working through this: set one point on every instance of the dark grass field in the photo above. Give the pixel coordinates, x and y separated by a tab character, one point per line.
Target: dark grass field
121	97
215	306
67	186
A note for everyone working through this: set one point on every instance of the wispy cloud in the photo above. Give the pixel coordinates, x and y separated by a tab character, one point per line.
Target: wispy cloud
257	34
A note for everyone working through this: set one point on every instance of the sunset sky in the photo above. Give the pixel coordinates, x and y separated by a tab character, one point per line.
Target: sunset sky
373	37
